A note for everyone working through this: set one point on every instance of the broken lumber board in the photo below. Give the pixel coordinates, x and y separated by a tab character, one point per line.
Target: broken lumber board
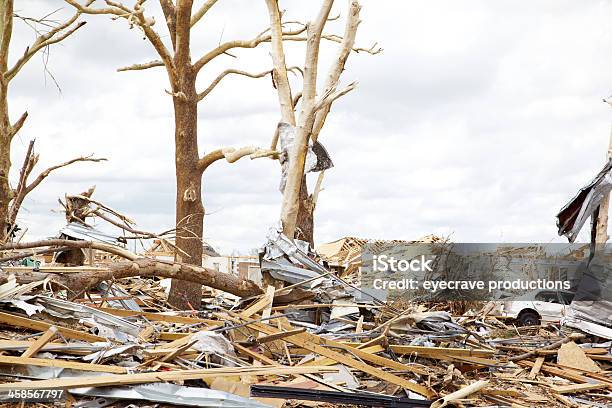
18	321
18	345
159	317
567	373
153	377
435	351
50	362
263	303
567	389
536	368
318	345
325	361
40	342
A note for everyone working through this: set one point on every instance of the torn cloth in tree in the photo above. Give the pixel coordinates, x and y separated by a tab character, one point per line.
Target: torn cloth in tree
317	158
572	217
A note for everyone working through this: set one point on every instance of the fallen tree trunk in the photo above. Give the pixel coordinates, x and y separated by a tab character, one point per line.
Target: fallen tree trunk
134	266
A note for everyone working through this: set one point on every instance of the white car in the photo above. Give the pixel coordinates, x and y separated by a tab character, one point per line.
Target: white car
536	307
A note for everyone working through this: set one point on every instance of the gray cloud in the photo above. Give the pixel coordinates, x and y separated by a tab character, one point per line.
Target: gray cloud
479	120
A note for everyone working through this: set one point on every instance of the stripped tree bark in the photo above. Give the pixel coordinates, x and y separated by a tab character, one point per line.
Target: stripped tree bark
297	211
8	129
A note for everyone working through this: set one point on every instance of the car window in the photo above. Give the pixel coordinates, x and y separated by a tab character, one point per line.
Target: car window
547	297
567	297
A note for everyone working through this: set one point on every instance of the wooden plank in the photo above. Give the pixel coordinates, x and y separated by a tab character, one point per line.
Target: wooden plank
143	378
321	346
263	303
567	389
18	321
266	339
49	362
40	342
159	317
441	351
324	361
571	374
255	355
536	368
433	352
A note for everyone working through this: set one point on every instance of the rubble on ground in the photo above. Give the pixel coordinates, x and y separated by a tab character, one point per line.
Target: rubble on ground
308	339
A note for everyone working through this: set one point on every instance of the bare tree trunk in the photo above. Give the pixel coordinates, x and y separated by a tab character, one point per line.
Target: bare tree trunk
189	208
305	217
5	163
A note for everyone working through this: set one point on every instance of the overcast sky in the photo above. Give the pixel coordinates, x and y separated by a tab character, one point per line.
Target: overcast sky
480	120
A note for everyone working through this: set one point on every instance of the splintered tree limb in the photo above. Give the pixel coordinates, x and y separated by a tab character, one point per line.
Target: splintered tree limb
297	156
280	66
232	155
29	162
18	125
111	249
53	36
197	16
134	17
222	75
135	266
332	95
48	171
87	199
333	77
225	47
141	67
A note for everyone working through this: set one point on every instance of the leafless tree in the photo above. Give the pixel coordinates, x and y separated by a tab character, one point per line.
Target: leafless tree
298	206
48	33
175	57
180	18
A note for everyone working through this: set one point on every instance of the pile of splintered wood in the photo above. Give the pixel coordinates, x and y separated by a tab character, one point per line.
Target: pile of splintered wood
127	336
104	333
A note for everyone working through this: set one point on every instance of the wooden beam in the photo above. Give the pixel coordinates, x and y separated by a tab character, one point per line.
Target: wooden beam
73	365
324	347
536	368
263	303
18	321
160	317
40	342
143	378
567	389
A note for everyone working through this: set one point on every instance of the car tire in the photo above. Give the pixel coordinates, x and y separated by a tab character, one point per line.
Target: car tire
529	319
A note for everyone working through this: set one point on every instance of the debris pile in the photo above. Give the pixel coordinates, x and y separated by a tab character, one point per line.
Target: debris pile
310	338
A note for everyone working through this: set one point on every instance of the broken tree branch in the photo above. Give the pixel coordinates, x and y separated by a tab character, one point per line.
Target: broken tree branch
134	17
333	77
18	125
141	67
222	75
53	36
136	266
48	171
297	155
280	66
232	155
225	47
197	16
